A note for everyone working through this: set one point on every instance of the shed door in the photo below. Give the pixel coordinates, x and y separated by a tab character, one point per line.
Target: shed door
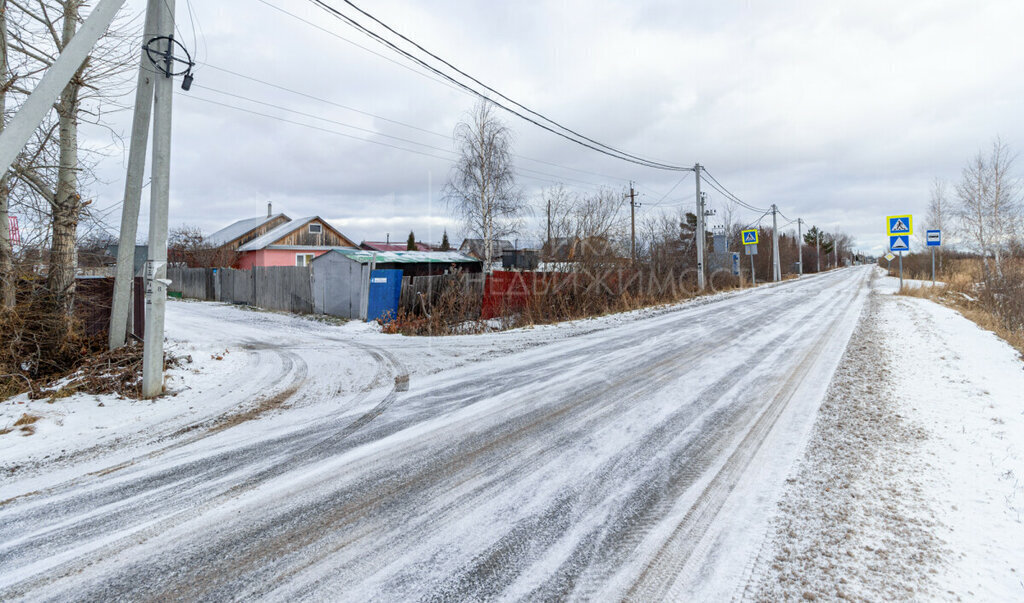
385	291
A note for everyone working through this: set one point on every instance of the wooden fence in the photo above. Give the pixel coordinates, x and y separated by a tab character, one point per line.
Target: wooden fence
274	288
418	291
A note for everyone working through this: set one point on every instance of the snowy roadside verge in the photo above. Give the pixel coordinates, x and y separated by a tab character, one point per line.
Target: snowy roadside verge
911	486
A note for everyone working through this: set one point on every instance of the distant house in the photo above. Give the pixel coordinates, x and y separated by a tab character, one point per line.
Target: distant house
230	238
396	246
475	248
292	243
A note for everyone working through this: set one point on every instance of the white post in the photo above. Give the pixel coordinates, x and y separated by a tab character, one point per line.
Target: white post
133	186
156	266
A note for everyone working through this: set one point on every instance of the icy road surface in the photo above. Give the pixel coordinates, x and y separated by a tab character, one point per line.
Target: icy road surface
642	460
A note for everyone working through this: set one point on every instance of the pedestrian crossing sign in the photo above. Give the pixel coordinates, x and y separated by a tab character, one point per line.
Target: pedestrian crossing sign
900	225
899	243
750	237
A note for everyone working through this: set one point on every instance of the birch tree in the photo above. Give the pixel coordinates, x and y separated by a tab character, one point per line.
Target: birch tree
481	188
937	217
989	205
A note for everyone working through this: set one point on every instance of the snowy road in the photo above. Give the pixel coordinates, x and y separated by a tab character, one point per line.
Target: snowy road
598	466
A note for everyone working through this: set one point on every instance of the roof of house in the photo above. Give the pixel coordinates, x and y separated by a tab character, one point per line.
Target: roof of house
388	246
476	247
239	228
278	232
365	256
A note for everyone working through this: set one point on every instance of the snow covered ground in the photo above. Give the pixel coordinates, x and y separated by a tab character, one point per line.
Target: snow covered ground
640	456
585	460
912	485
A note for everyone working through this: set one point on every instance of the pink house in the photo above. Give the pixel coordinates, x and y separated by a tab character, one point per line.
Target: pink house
292	243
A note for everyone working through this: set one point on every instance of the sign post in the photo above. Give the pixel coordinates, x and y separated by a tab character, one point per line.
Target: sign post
899	229
751	250
934	239
750	237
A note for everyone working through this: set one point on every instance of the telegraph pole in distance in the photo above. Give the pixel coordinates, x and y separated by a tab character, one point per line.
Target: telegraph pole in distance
549	232
156	264
800	244
817	246
700	230
776	268
632	222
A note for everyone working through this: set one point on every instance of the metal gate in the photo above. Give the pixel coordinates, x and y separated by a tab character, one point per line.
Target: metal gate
385	291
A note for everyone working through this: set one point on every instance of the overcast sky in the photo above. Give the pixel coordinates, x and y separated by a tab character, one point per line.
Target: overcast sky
841	113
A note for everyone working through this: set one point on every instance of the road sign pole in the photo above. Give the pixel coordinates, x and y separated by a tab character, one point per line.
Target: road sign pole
901	271
753	276
933	266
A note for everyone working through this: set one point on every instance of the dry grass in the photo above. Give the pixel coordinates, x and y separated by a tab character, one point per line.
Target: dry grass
995	304
26	419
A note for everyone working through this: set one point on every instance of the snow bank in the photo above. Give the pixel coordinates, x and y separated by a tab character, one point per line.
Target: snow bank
911	487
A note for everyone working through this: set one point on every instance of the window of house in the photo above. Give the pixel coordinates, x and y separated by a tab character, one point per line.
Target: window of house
315	228
303	259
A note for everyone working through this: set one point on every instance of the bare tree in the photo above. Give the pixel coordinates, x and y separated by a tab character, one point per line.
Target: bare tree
188	246
43	30
559	205
482	187
937	217
598	223
989	208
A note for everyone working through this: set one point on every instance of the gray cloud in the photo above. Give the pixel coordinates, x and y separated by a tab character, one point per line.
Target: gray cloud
840	113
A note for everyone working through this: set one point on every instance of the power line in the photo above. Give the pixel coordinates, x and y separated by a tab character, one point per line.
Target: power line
757	221
373	115
718	186
561	130
518	170
356	44
674	186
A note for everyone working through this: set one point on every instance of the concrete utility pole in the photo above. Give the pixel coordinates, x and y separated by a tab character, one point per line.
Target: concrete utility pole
800	244
699	235
817	246
776	264
156	266
133	186
548	244
24	123
632	222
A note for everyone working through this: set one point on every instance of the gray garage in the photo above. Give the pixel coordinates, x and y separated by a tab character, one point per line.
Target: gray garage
341	277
